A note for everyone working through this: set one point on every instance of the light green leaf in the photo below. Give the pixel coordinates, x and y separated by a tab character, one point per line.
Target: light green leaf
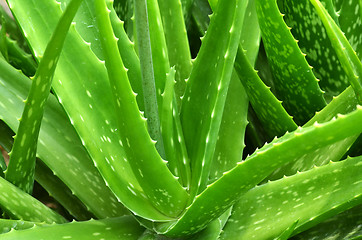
309	197
145	161
245	175
19	205
206	90
21	166
108	229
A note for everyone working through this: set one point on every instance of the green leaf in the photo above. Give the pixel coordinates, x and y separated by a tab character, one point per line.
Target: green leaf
153	79
269	109
21	166
295	83
7	225
314	42
20	59
206	90
145	161
230	141
250	33
346	225
344	103
350	19
59	146
113	228
348	58
80	73
177	42
308	197
245	175
288	232
60	192
129	58
19	205
176	153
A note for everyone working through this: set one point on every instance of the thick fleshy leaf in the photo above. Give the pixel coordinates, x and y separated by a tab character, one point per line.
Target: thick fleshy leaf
346	225
245	175
230	141
80	73
59	146
309	197
145	161
295	83
108	229
350	20
19	205
347	56
206	90
344	103
313	40
177	42
21	166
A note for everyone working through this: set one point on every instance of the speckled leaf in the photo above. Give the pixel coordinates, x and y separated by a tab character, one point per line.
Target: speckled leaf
344	226
61	193
206	90
81	85
348	58
129	58
145	161
350	20
250	33
176	153
177	42
21	166
59	146
342	104
19	205
245	175
20	59
287	232
6	225
46	178
230	141
295	83
266	211
313	41
269	109
108	229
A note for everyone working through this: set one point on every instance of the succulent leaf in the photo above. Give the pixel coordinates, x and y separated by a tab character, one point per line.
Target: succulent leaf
59	146
314	42
288	200
112	228
145	161
19	205
206	89
346	225
348	58
177	43
295	83
256	167
21	166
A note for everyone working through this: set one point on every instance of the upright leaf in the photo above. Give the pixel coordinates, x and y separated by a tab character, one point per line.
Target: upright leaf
247	174
205	95
145	160
22	157
295	83
347	56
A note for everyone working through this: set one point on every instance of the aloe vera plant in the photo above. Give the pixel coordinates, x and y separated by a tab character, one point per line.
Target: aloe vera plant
256	137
